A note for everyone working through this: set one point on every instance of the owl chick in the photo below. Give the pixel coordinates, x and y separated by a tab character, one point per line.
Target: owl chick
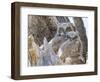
69	51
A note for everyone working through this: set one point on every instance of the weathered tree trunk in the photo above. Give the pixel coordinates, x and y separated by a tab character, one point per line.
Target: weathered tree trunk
82	33
40	27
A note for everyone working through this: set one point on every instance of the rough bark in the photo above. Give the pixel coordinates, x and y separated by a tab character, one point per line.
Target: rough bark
82	33
40	27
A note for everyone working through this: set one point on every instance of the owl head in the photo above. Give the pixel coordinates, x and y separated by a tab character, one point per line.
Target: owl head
72	35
